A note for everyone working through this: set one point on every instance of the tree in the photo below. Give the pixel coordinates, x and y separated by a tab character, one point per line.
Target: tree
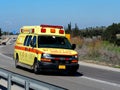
110	33
0	32
69	28
75	31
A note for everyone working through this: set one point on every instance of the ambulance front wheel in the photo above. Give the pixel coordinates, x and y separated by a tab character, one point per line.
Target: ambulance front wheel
35	67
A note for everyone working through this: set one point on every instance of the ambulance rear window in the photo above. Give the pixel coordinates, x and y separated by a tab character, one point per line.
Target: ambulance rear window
53	42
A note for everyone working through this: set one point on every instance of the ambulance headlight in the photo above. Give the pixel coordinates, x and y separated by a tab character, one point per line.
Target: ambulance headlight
75	56
45	55
75	59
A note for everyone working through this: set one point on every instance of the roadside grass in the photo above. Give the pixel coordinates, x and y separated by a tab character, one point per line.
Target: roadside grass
111	47
97	51
116	66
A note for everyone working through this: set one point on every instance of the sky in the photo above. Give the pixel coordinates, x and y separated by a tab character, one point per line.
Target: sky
85	13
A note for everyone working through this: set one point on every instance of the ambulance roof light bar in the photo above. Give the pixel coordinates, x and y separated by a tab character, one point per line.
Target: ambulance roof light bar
52	26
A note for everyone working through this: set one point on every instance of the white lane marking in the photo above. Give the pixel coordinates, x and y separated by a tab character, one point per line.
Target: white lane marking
6	56
101	81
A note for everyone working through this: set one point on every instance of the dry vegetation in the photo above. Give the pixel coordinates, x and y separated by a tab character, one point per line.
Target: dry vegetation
97	51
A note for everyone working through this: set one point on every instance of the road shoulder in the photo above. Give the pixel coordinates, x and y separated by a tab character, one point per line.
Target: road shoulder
99	66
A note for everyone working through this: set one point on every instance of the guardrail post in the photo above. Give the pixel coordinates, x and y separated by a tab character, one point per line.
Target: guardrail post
9	82
26	85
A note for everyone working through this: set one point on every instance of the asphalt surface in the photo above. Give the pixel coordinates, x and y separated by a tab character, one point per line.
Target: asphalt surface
87	78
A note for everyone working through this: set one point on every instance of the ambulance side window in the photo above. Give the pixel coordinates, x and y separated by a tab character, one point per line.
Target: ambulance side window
34	41
27	40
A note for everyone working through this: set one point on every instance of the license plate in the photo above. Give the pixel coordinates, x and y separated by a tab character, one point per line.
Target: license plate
62	67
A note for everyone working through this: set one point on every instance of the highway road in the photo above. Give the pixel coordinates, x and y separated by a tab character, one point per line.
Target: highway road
87	77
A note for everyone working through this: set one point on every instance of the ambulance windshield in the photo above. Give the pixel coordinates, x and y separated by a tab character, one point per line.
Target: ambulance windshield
53	42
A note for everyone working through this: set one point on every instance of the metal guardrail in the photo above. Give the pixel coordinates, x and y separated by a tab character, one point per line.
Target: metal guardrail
27	83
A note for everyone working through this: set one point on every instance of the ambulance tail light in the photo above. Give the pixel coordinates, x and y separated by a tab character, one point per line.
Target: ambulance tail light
21	30
61	31
32	30
43	30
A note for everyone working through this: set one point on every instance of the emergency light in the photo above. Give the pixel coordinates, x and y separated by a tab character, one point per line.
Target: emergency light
52	30
31	31
61	31
27	30
52	26
43	30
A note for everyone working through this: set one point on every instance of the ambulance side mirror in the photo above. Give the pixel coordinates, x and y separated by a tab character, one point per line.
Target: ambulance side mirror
73	46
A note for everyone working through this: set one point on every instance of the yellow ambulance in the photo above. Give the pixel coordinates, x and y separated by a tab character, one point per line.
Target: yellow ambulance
45	48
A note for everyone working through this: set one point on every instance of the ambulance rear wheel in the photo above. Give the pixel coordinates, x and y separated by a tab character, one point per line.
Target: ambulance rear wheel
16	61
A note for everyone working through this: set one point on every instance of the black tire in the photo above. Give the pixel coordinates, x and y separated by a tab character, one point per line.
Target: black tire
16	61
35	67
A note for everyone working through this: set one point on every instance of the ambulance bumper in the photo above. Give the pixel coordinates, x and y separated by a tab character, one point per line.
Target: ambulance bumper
44	66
